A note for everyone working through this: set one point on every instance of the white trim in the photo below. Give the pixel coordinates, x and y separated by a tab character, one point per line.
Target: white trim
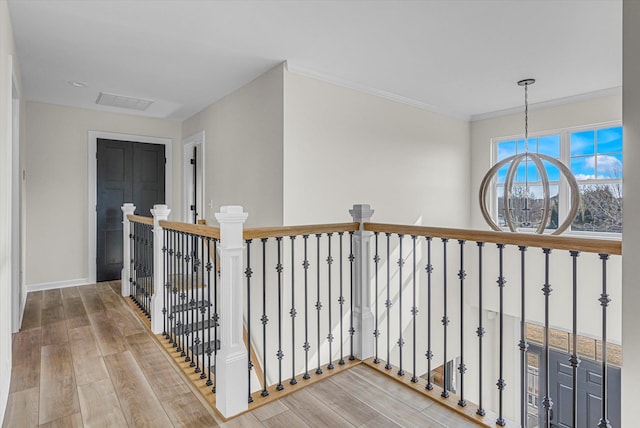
16	220
551	103
92	182
188	143
334	80
58	284
4	391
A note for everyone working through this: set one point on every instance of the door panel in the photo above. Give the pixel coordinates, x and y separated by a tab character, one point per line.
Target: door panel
126	172
589	392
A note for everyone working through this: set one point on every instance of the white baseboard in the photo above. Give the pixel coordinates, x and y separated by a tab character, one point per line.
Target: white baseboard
57	284
4	390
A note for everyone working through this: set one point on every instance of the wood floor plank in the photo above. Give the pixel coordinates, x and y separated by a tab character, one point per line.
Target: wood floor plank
51	298
159	371
32	311
25	373
243	421
285	419
87	361
139	404
393	409
91	299
73	307
108	337
76	322
186	411
72	421
270	410
22	409
125	321
70	292
52	314
312	411
380	421
58	392
394	388
54	333
100	406
343	403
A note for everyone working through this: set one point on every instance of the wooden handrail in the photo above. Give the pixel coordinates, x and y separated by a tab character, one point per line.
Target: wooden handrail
140	219
194	229
587	245
274	232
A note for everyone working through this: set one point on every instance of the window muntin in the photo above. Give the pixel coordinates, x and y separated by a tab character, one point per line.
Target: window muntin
593	154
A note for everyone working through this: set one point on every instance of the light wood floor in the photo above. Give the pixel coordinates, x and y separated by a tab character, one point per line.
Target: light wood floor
82	358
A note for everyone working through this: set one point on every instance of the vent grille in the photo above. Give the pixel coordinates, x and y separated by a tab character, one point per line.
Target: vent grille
121	101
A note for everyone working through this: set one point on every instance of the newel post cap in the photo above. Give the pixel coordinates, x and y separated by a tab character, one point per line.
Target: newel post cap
231	214
361	212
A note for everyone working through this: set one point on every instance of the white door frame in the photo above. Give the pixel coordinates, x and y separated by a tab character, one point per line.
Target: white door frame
195	140
92	183
18	292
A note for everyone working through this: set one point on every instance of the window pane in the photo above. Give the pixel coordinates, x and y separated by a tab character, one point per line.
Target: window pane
600	208
609	166
549	145
506	149
552	171
502	173
532	145
526	210
583	168
582	143
610	140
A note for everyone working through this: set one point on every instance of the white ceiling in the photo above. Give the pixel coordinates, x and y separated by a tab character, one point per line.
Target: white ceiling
459	57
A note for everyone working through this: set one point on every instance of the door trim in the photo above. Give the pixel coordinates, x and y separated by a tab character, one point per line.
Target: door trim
195	140
92	183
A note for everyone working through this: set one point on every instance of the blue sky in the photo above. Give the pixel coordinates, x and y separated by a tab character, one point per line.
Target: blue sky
595	154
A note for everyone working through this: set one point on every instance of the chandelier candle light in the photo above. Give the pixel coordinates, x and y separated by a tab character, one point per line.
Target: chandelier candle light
523	201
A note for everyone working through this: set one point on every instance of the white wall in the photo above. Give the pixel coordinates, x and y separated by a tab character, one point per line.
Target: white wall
243	155
57	201
631	234
343	147
8	63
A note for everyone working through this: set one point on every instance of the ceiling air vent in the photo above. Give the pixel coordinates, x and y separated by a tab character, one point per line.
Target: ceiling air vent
122	101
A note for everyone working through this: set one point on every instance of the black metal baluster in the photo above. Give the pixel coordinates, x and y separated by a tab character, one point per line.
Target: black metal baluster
318	303
574	360
209	284
175	289
376	332
306	346
248	272
330	335
523	345
400	325
604	302
172	259
293	313
279	354
264	318
462	368
132	256
480	331
429	353
216	314
188	307
180	322
445	321
193	302
501	383
341	302
352	330
199	241
388	302
546	290
165	276
414	308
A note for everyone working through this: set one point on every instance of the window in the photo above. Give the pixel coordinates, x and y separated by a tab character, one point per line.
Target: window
593	154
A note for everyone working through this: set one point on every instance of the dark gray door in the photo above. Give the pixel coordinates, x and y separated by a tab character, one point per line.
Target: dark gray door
126	172
589	391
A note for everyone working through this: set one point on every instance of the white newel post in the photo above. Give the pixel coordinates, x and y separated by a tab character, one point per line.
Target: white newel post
232	363
159	213
363	319
125	286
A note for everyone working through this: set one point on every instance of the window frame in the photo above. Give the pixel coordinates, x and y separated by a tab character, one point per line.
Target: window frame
564	197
